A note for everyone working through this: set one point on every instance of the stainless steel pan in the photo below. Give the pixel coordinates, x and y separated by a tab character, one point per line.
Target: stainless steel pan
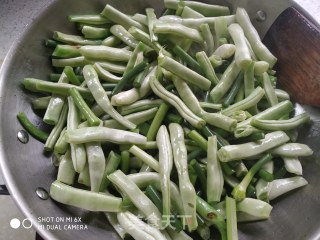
26	167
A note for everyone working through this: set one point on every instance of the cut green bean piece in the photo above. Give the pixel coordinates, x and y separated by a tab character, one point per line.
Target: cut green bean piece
165	167
61	145
187	190
96	202
103	53
243	151
214	173
73	39
242	54
50	43
101	96
292	150
68	71
90	32
232	230
103	134
129	77
40	103
233	91
184	56
118	17
139	199
105	74
284	125
84	108
225	83
95	19
112	163
72	62
208	38
225	51
252	35
184	72
32	129
157	121
140	106
145	157
151	19
246	103
56	131
66	51
125	161
207	68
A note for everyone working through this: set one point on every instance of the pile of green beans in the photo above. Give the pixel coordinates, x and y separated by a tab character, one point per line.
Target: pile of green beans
175	118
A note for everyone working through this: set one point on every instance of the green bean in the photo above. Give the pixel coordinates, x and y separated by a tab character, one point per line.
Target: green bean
243	151
112	163
68	71
281	186
105	53
66	51
178	30
73	39
140	77
144	37
207	68
95	19
240	94
136	118
208	38
72	62
234	90
183	110
292	150
145	157
196	22
252	138
101	97
201	141
211	215
92	201
253	37
54	77
140	106
56	131
225	51
242	54
188	12
151	19
184	56
239	192
260	67
83	107
103	134
246	103
174	118
40	103
226	81
232	230
50	43
214	173
111	41
61	145
157	121
146	178
165	166
194	154
106	75
120	18
56	103
187	190
78	152
112	219
121	33
125	161
213	106
141	18
90	32
215	61
208	133
284	125
84	176
269	90
32	129
129	77
201	174
184	72
113	67
203	8
265	175
130	189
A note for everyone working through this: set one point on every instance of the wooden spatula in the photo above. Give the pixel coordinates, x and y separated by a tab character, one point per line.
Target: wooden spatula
295	41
